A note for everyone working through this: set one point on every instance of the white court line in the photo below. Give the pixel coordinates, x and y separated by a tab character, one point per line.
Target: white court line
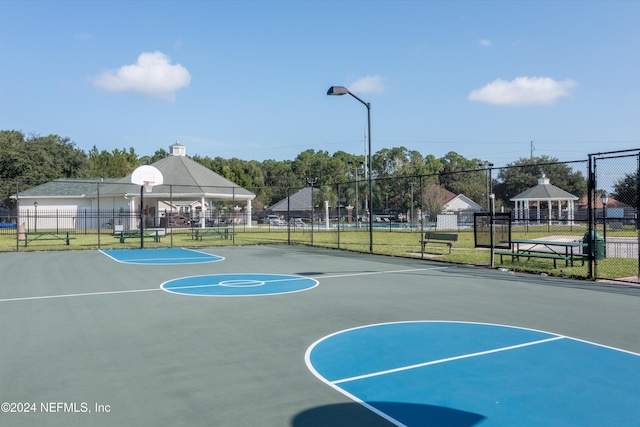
171	259
161	288
449	359
79	295
380	272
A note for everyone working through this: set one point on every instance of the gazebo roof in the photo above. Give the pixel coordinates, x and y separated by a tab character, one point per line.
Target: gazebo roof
187	178
544	191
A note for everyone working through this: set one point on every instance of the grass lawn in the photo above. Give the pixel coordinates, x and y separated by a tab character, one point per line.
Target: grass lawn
401	243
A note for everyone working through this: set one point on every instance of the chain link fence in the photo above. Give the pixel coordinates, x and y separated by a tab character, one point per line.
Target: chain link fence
613	197
90	214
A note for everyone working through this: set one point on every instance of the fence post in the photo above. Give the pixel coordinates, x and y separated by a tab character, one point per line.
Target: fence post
637	209
18	216
339	215
590	218
99	221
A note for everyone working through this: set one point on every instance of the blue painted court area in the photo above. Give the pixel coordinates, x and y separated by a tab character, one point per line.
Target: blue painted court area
229	285
470	374
162	256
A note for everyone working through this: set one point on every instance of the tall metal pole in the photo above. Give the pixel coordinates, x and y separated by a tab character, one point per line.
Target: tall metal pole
339	213
142	217
590	229
638	208
99	218
370	180
341	90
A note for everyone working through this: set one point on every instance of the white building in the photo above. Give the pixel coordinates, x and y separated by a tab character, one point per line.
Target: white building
188	187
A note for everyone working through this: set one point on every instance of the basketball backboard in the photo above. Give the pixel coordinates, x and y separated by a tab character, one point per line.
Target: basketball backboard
148	176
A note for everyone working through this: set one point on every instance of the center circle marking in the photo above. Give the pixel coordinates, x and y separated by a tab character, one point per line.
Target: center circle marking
239	284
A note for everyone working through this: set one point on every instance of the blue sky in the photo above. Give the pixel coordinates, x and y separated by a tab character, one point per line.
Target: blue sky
248	79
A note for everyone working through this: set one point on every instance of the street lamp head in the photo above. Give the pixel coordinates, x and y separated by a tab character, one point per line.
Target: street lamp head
604	198
337	90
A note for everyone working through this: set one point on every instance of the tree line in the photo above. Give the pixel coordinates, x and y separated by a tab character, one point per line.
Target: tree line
398	172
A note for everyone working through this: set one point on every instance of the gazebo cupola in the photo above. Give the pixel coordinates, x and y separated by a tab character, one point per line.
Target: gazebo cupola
178	149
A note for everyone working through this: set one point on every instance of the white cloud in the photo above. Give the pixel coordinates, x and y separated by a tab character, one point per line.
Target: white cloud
523	91
485	42
152	74
367	84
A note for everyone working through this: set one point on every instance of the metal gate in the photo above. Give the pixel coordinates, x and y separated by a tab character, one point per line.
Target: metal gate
614	228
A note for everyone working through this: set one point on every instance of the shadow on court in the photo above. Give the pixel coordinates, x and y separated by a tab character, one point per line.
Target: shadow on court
350	414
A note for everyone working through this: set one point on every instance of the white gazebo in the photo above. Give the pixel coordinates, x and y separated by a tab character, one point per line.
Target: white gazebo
557	201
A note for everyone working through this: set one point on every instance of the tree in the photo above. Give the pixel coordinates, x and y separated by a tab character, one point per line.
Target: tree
37	159
465	176
434	198
158	155
278	176
114	164
327	169
625	190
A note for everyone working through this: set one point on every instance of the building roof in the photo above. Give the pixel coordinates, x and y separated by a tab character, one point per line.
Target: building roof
184	177
66	187
464	201
298	201
544	191
612	203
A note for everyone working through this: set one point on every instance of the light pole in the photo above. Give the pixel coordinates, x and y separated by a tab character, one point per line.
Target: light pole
604	198
341	90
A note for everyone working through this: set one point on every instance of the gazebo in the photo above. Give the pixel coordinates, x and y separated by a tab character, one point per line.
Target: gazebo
543	193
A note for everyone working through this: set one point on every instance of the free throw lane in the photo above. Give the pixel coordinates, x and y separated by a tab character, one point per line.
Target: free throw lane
162	256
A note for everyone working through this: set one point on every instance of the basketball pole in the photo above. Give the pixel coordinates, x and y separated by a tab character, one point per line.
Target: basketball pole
142	217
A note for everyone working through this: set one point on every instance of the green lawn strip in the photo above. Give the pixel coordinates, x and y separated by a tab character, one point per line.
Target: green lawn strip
402	243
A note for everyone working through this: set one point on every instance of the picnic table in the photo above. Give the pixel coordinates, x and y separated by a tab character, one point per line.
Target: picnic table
222	232
545	249
135	234
30	236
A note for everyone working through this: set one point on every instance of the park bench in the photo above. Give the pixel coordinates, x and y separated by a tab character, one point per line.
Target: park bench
439	238
30	236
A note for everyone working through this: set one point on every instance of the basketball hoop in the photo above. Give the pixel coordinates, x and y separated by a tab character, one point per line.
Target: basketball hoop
147	176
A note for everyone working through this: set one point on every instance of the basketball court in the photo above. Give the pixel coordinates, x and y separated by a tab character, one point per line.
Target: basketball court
306	337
